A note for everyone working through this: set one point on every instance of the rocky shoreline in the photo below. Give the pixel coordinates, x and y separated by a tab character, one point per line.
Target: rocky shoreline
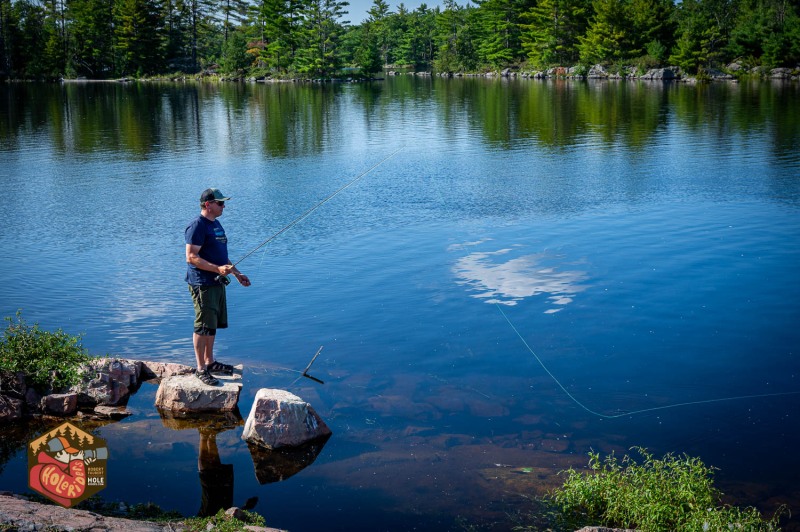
731	72
103	392
19	513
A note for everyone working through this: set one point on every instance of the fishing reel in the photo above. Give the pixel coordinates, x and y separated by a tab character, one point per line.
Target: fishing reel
223	280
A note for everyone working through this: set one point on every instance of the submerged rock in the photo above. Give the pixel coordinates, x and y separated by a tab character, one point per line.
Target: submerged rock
185	393
10	409
281	419
60	404
111	412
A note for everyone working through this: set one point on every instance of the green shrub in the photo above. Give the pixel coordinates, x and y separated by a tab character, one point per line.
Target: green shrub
671	493
49	360
222	523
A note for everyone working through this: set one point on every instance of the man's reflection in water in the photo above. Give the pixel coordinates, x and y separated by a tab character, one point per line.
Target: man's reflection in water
216	478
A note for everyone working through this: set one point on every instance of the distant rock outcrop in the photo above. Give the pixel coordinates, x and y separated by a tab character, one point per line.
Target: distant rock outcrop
665	74
281	419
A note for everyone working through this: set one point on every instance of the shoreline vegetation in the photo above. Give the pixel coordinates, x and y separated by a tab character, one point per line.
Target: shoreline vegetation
645	493
313	40
733	72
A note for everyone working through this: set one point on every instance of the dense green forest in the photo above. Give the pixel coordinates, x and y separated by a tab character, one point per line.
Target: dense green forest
49	39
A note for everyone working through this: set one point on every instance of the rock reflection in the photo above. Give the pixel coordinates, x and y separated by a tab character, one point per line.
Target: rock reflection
511	281
279	464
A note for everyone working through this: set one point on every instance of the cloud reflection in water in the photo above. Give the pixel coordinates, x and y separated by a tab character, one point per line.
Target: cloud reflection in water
508	282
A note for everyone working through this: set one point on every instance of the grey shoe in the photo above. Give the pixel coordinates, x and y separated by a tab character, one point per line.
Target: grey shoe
206	378
220	368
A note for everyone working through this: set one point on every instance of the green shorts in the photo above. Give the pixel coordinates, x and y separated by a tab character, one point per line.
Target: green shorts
210	307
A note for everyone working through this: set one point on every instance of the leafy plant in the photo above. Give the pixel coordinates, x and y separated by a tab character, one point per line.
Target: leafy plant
671	493
222	523
49	360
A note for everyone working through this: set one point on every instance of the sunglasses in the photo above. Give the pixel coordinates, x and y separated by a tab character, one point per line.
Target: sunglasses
220	203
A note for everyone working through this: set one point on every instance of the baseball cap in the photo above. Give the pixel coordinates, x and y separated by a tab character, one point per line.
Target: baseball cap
61	444
212	194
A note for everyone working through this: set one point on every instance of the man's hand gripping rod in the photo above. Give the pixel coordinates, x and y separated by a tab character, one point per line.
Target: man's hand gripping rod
224	279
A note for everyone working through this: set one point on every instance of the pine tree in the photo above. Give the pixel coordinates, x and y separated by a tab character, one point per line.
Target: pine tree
233	13
377	17
275	22
500	32
608	36
367	54
652	28
92	30
5	34
551	31
320	34
138	36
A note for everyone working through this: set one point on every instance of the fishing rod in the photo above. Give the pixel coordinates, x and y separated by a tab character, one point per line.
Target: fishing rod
224	278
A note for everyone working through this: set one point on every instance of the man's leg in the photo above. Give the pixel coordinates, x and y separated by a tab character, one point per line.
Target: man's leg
203	349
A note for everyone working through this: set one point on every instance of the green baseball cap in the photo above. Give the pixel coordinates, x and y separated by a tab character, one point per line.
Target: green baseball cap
212	194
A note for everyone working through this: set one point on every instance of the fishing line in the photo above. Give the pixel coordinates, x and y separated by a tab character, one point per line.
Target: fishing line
317	206
632	412
303	373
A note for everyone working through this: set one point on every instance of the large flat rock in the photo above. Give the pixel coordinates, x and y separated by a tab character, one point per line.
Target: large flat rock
21	514
185	393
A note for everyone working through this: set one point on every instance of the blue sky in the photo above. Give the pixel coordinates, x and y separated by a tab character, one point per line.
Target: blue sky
357	10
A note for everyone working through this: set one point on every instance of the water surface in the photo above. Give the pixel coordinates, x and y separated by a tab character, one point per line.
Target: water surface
537	259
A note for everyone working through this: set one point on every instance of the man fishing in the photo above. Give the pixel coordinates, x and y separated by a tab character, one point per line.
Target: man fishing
207	270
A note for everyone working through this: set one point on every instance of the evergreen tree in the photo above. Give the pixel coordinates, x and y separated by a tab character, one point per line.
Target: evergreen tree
417	45
699	37
551	31
704	28
609	34
92	30
6	23
177	46
455	38
54	60
275	17
24	24
767	31
500	32
377	18
652	24
138	36
232	13
367	54
320	35
200	28
234	54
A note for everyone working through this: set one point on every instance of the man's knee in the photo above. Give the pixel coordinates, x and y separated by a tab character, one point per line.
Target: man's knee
204	331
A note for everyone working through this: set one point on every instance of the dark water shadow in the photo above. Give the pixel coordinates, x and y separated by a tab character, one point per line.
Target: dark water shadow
279	464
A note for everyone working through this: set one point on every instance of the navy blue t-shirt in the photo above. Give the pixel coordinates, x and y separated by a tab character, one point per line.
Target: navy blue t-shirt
210	236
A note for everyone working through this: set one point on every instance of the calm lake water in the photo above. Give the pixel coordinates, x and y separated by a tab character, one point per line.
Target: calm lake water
543	269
